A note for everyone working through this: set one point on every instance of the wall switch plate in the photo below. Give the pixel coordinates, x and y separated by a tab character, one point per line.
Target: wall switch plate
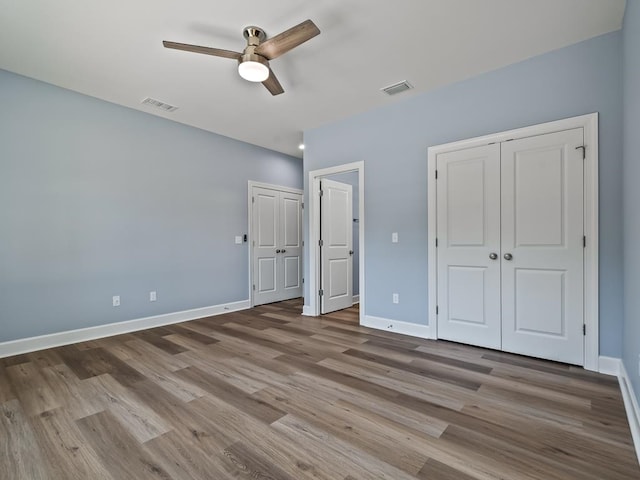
396	298
238	239
394	237
152	296
116	300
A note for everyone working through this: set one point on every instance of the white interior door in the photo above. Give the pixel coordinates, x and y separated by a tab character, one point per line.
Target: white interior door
291	245
336	251
265	232
277	245
468	225
542	246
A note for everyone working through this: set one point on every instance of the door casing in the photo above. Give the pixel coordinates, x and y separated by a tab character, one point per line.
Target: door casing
591	278
312	302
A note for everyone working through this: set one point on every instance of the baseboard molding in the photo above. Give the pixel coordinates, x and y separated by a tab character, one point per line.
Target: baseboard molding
631	406
397	326
307	311
609	366
32	344
356	299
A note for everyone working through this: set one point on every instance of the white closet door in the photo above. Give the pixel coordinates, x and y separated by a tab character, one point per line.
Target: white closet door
291	244
468	226
266	232
277	245
336	232
542	246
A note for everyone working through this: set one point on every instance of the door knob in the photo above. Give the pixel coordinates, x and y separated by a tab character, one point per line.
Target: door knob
508	256
283	250
493	256
278	251
350	252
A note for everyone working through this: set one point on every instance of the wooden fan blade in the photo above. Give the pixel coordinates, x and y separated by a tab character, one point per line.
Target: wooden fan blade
285	41
272	84
216	52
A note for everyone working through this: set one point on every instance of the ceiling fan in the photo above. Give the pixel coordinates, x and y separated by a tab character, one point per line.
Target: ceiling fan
253	62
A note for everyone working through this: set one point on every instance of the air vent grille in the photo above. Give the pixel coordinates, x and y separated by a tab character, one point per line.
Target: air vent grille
397	88
158	104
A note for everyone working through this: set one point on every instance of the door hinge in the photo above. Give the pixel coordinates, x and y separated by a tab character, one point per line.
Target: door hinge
303	205
584	329
436	174
254	243
584	241
321	192
437	309
302	279
303	243
253	199
254	288
321	243
436	242
321	292
584	151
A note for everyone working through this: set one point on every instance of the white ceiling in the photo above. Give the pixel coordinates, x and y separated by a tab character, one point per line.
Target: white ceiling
113	50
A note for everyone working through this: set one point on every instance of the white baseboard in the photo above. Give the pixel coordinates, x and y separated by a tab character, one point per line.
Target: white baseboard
31	344
609	366
631	406
307	311
397	326
356	299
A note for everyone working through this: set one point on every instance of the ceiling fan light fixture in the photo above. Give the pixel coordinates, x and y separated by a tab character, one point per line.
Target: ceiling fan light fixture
253	68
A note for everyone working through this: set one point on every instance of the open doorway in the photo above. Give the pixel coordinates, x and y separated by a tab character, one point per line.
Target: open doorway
353	175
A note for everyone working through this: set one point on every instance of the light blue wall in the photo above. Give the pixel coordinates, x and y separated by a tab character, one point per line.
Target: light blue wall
393	141
631	58
98	200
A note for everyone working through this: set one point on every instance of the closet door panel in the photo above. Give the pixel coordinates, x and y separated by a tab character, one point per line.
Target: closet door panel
542	246
468	237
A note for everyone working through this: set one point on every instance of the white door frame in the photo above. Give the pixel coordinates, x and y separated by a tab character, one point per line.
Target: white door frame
591	278
269	186
313	308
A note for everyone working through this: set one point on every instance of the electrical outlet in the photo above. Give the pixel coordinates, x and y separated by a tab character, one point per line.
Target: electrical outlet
394	237
396	298
238	240
152	296
116	300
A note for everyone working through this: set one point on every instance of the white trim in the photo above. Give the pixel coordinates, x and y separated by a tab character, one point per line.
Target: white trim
307	311
591	278
278	188
313	308
31	344
609	366
631	406
356	299
397	326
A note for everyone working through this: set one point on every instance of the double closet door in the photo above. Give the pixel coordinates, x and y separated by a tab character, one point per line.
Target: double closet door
276	245
510	246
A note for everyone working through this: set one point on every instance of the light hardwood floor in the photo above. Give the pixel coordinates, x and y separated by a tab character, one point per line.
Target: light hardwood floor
269	394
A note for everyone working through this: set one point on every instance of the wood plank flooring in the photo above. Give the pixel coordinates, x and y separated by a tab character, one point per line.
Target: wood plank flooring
269	394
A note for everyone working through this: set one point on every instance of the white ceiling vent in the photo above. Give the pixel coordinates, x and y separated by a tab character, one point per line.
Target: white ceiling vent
397	88
158	104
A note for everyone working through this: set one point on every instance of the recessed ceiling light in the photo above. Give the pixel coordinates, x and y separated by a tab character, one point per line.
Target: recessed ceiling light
301	146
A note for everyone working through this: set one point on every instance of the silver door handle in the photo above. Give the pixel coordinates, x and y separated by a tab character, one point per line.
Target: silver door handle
278	251
508	256
493	256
